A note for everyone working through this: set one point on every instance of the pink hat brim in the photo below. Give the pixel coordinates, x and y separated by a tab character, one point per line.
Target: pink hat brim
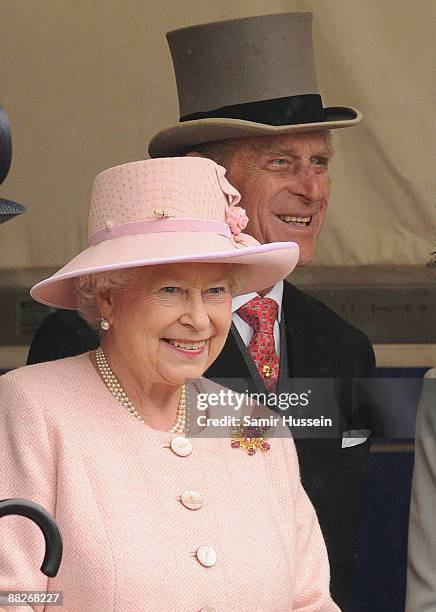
261	266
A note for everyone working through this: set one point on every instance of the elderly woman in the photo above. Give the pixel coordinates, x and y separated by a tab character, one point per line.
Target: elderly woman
152	517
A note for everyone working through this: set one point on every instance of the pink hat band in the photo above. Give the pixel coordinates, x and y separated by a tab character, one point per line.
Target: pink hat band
135	228
190	188
168	211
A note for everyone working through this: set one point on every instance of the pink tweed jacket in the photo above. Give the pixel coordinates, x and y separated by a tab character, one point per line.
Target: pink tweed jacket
114	488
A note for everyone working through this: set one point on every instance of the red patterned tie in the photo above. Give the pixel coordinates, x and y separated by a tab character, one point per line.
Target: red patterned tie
260	314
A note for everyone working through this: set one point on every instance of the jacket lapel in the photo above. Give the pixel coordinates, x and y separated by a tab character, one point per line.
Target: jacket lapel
230	363
311	344
312	354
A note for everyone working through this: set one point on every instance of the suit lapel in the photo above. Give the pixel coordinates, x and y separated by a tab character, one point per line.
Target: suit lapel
234	368
230	362
255	377
312	352
311	345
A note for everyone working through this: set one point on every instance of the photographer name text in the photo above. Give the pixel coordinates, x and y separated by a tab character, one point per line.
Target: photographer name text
271	421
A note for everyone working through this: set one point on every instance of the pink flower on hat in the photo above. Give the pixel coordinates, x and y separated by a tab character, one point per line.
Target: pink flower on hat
233	195
237	219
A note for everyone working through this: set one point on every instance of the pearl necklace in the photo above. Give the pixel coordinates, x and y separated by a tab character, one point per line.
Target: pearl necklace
112	383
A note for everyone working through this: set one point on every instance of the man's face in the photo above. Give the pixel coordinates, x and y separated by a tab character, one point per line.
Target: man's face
285	184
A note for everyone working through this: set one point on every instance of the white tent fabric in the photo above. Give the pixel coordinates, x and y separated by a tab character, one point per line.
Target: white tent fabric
86	84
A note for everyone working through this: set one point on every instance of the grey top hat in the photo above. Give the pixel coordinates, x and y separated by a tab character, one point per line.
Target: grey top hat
246	77
8	208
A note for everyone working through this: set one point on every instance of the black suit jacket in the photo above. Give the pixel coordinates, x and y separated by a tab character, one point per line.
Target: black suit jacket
319	345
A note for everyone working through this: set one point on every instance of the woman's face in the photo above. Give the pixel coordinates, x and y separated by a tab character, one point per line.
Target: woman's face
171	323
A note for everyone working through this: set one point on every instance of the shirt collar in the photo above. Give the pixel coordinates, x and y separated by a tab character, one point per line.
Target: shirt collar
275	294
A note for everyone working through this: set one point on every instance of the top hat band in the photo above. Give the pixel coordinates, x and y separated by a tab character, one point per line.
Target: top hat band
291	110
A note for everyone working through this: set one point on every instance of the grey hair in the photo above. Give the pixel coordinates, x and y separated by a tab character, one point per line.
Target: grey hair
221	151
88	286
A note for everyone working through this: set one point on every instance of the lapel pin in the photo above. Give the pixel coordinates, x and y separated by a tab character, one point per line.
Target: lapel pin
267	370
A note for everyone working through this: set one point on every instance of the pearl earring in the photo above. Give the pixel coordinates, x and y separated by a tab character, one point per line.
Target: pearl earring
104	324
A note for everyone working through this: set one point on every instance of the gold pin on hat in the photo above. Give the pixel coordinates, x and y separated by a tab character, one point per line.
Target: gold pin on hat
160	213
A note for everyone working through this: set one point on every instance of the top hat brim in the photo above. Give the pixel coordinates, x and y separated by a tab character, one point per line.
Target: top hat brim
179	138
9	210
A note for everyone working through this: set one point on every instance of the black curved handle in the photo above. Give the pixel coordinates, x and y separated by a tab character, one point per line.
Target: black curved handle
5	145
48	526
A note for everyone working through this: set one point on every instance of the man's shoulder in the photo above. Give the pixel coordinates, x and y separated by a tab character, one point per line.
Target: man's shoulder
306	305
64	320
301	307
62	333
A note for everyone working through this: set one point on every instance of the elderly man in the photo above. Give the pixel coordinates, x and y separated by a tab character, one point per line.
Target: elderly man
249	100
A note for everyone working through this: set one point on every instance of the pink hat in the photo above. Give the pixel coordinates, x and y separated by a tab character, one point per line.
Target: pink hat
160	211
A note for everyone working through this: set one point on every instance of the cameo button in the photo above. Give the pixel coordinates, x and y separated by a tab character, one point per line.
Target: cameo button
191	500
206	555
181	446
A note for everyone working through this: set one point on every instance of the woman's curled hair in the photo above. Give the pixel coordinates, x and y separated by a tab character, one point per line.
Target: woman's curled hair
87	288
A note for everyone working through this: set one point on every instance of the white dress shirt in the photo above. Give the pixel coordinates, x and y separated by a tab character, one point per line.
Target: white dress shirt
349	438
